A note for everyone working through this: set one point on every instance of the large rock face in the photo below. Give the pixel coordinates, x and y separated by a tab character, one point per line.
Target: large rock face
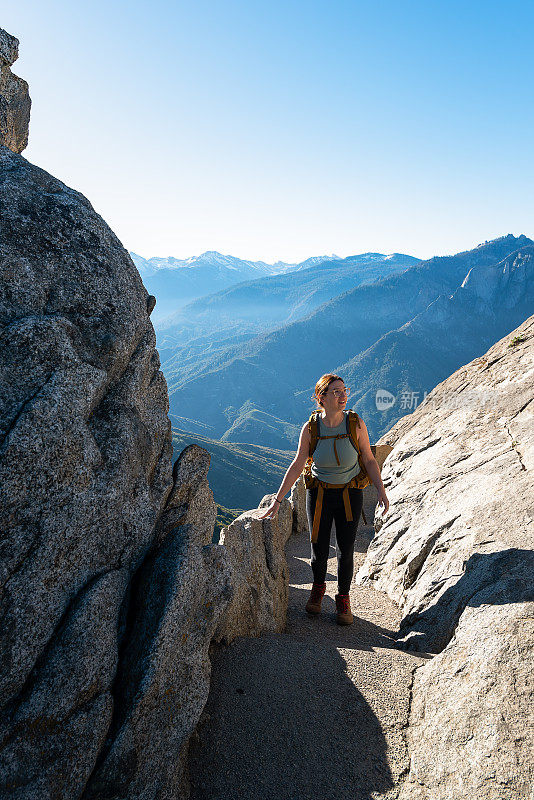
456	552
15	100
163	678
111	591
100	548
470	732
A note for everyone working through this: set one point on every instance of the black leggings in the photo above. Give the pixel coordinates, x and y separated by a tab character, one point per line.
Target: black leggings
333	510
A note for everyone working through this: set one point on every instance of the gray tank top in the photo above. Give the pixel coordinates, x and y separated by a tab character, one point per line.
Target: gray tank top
325	466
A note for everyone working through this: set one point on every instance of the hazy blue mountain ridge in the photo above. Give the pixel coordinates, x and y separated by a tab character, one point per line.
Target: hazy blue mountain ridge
248	420
270	370
175	282
210	258
279	299
202	331
183	363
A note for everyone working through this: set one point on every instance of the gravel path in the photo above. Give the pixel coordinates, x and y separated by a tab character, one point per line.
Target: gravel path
319	711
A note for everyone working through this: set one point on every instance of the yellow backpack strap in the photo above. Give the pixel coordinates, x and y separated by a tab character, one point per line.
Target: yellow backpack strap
313	427
346	502
353	423
353	430
317	514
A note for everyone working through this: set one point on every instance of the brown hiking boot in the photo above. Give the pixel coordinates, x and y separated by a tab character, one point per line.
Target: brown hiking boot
344	614
313	606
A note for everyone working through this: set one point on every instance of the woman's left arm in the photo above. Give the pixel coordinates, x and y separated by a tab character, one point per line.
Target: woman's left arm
370	463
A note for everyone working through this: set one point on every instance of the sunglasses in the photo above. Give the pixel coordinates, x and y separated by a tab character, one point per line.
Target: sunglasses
338	392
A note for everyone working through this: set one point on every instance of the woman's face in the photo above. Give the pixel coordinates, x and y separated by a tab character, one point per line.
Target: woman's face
330	401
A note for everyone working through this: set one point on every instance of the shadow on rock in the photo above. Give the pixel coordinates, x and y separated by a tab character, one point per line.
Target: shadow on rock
500	578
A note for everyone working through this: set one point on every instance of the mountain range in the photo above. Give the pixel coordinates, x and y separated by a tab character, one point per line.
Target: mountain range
272	301
175	282
403	332
202	331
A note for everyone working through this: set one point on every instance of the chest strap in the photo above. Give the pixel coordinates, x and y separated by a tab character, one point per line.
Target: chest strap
339	436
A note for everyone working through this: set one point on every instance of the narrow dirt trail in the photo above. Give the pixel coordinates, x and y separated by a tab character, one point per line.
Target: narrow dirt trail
319	711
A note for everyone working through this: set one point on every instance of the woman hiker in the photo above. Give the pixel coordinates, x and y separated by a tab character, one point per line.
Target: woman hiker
335	461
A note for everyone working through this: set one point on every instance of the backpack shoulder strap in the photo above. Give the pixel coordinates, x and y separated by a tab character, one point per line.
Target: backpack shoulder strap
352	428
313	427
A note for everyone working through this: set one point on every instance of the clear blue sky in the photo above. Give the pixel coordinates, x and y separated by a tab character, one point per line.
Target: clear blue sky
280	130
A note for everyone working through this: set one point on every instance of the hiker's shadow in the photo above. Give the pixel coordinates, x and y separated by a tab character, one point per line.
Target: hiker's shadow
284	717
361	635
284	720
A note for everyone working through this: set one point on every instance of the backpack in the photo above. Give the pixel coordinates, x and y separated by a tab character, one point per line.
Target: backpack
359	481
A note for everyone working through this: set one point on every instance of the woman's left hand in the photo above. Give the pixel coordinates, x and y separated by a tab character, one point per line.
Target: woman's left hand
383	500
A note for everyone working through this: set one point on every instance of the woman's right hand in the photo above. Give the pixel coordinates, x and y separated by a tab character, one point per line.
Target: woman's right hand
271	511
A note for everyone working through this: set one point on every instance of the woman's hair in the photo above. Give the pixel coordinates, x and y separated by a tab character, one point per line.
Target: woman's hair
322	385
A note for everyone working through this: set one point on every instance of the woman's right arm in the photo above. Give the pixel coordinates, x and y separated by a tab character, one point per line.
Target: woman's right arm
293	471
